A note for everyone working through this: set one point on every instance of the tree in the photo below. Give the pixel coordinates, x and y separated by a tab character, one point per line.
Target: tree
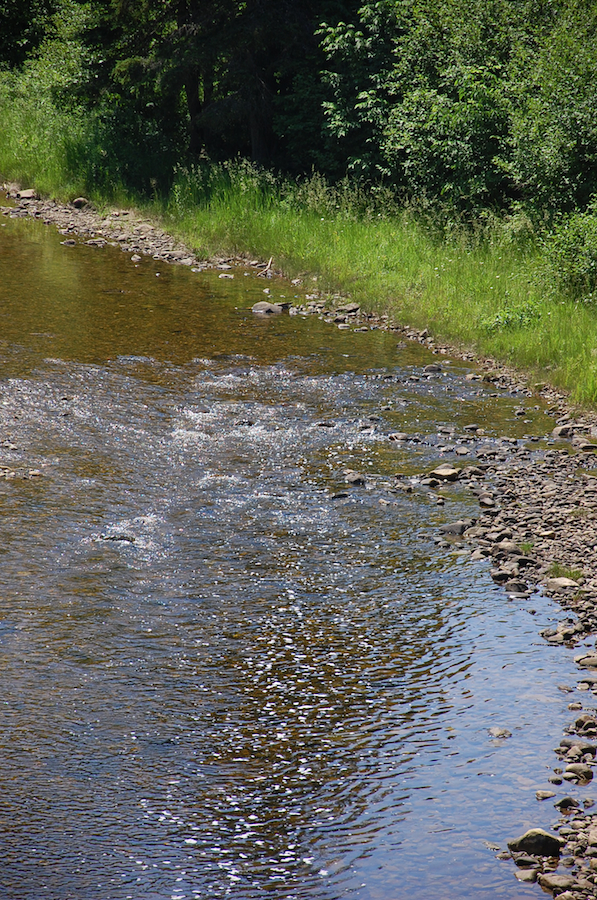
23	24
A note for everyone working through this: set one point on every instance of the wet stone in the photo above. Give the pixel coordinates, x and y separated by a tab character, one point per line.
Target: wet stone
538	842
355	479
500	733
556	882
580	770
453	528
526	876
445	473
398	436
263	308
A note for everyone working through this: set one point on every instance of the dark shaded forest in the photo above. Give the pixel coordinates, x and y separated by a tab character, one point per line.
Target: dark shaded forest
458	104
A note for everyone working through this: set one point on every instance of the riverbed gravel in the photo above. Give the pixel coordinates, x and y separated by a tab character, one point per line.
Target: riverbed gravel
536	524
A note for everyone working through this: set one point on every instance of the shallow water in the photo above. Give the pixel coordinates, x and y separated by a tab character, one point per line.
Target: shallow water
216	680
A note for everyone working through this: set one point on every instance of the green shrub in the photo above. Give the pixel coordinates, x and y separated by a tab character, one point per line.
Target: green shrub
571	256
511	317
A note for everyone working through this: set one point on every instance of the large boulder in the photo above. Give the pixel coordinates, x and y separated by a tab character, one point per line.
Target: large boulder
538	843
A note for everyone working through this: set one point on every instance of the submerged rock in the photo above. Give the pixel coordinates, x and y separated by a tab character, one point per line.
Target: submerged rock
501	733
126	538
263	308
355	478
453	527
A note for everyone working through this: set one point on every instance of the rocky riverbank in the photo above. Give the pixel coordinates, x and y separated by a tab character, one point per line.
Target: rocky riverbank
537	511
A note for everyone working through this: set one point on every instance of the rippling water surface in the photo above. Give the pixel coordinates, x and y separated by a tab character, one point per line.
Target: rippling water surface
216	680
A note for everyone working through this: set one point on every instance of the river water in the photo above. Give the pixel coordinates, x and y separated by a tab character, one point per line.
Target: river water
216	680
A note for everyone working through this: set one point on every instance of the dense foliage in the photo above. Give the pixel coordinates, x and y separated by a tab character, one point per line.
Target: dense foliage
23	24
458	105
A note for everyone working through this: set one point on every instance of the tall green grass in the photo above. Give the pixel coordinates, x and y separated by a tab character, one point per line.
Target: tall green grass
487	287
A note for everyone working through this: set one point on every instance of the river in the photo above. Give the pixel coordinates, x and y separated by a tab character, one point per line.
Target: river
217	680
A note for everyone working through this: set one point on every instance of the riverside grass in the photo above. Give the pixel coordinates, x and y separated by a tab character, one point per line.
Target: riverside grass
484	289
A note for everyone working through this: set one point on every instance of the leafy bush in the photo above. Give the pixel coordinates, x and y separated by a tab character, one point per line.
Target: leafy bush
571	256
512	317
554	124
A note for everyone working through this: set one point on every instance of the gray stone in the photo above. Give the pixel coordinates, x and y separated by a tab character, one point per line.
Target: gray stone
584	746
527	876
263	308
509	547
453	528
544	795
398	436
355	478
80	202
524	861
586	661
538	842
559	584
554	882
580	770
515	586
502	733
445	473
27	194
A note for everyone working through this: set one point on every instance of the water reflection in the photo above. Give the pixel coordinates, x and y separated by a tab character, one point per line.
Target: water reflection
217	681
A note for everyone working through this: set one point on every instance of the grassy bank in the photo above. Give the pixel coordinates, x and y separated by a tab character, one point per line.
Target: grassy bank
488	288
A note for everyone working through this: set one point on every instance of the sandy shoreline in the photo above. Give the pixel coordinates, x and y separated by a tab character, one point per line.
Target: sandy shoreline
537	519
